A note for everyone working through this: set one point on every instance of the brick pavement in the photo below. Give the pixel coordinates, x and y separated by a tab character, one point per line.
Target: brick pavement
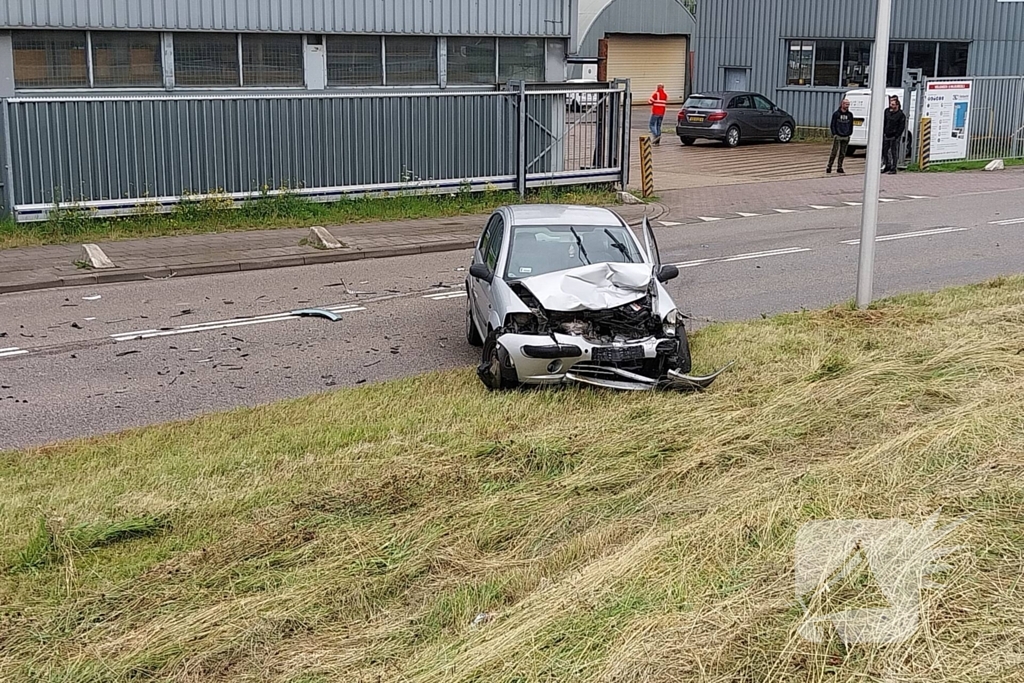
53	266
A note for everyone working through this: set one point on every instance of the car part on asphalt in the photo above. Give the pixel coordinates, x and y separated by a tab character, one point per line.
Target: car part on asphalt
565	295
317	313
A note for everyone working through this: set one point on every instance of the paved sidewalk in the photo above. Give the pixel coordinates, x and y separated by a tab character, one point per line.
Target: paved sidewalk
53	266
153	258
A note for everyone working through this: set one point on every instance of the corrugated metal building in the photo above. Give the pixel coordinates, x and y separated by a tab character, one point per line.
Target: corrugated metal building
805	53
648	42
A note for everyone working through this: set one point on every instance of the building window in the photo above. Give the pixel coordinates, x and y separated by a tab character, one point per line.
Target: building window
410	61
856	61
272	60
354	60
521	59
922	56
50	59
472	61
953	60
206	59
801	62
828	60
123	59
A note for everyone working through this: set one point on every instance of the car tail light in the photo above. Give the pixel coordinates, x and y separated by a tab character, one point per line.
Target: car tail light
717	116
682	114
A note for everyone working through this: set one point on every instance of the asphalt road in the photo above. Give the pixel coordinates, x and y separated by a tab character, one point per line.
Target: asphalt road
75	365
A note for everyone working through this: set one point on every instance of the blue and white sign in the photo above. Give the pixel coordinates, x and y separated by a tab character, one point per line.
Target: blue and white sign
948	105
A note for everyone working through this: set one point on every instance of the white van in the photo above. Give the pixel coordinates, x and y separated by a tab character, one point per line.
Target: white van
860	105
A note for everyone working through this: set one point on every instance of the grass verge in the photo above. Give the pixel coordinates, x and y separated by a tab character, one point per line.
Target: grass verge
281	211
356	535
953	166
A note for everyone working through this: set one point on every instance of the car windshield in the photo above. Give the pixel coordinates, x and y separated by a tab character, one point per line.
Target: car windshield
539	250
702	103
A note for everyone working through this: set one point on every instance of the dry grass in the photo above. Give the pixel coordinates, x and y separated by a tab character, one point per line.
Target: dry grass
354	536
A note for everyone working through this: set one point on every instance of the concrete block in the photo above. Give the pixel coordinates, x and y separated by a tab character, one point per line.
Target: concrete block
321	238
997	165
94	257
628	198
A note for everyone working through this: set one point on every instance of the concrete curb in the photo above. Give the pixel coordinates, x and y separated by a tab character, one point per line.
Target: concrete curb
163	271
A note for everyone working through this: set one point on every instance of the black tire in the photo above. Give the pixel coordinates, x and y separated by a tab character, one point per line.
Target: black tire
785	133
688	141
732	137
684	363
495	370
472	334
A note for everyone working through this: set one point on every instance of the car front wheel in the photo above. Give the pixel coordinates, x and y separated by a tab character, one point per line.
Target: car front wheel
785	133
732	137
496	370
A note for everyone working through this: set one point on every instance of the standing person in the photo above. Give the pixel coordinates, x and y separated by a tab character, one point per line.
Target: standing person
842	130
892	132
658	102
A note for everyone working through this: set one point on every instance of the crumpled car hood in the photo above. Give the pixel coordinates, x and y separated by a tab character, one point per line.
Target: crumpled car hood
596	287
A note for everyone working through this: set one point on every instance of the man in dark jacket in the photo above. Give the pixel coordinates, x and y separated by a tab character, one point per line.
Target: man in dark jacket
842	129
893	131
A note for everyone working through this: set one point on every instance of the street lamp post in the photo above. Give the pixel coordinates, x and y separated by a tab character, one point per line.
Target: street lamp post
873	172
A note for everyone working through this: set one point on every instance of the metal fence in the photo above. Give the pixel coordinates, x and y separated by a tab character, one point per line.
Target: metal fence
996	127
119	155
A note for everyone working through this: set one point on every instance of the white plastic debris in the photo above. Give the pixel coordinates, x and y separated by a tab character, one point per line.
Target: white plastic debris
95	297
629	198
997	165
482	618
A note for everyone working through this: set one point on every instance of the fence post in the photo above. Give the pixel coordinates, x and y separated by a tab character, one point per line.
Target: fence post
924	135
7	159
1017	149
521	172
647	165
627	135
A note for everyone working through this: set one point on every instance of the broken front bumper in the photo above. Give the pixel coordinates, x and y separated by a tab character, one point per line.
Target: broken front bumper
561	359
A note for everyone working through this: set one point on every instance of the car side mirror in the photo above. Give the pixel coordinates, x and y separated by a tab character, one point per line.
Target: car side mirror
481	272
668	273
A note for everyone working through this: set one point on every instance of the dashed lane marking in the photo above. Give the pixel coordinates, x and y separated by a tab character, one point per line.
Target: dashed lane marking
853	203
747	215
743	257
819	207
1008	221
13	351
784	210
669	224
223	324
908	235
442	296
709	219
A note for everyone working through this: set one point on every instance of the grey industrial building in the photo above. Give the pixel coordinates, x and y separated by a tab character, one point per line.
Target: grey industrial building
805	53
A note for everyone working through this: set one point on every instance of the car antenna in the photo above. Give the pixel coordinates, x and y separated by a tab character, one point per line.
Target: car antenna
579	241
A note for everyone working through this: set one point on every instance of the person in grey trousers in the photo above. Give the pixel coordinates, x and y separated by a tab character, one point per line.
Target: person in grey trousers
842	130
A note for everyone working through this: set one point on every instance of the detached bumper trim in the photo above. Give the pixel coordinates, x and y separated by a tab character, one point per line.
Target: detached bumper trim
552	351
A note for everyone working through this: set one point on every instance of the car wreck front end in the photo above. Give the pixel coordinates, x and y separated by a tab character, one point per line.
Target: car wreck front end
610	325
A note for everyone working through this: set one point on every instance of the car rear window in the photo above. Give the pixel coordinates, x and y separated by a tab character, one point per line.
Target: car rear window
703	103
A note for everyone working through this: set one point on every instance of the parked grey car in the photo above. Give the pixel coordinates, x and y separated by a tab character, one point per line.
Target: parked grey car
732	117
567	294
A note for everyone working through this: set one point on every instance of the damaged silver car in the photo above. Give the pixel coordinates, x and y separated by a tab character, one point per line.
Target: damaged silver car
568	294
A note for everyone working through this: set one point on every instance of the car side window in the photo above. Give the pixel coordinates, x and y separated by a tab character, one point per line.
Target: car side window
741	102
488	236
494	245
762	103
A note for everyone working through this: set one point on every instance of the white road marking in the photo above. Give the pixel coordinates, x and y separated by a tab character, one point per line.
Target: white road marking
1008	221
784	210
441	296
747	215
669	224
819	207
743	257
13	351
853	203
224	324
886	200
918	196
708	219
908	235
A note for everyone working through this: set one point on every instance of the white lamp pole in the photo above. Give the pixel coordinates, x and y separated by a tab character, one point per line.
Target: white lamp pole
873	175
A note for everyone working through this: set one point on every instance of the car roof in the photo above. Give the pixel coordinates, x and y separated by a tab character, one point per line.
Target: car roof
561	214
724	93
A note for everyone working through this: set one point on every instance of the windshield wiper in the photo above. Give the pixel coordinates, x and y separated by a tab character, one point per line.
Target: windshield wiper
579	241
618	245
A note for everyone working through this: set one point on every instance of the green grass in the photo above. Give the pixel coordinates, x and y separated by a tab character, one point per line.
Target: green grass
282	211
952	166
355	535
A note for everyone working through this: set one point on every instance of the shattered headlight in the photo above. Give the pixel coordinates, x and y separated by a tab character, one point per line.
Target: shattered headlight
672	321
522	322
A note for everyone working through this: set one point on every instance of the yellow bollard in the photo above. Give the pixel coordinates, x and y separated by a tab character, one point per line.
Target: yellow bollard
925	138
647	165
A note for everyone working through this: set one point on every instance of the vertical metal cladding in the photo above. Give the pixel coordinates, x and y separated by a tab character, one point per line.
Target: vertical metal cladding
658	17
752	34
551	18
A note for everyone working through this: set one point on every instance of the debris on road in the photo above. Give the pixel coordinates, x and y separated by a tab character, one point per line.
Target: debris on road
76	326
184	311
128	353
483	618
317	313
94	297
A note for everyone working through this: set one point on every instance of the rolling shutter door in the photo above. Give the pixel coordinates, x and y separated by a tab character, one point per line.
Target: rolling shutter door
647	61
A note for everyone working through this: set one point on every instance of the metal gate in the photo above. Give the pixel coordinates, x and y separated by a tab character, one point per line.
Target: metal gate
125	154
996	129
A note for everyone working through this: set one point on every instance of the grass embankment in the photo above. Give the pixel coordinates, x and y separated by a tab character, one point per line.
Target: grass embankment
951	166
282	211
354	536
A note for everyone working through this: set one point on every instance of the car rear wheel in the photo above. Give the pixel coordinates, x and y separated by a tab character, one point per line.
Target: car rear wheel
688	141
472	334
732	137
785	133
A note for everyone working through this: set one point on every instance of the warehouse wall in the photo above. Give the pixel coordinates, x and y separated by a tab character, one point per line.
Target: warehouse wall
553	18
652	17
752	34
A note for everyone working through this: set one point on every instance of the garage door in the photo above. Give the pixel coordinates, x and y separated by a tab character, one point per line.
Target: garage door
648	61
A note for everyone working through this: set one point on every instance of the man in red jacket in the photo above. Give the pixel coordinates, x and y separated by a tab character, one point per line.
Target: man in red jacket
658	102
